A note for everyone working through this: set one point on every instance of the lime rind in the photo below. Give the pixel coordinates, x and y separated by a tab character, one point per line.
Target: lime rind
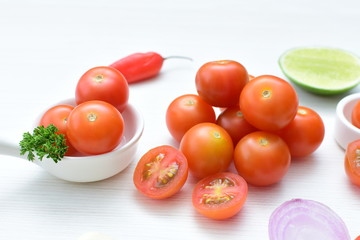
323	70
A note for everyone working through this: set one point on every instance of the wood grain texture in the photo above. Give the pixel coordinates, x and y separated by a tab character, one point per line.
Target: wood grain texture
45	46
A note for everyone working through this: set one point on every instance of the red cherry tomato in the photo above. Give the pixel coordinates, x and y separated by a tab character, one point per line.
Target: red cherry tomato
355	115
352	162
305	133
139	66
95	127
358	238
262	158
58	116
233	121
185	112
208	149
104	84
220	83
220	196
268	103
161	172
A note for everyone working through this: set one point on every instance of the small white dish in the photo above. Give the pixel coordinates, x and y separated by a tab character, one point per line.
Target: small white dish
95	167
345	132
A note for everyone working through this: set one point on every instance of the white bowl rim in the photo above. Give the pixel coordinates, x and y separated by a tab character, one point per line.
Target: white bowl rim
340	110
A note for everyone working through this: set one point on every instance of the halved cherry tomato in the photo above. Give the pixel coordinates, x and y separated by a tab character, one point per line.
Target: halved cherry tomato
220	83
305	133
233	121
355	115
208	149
352	162
268	103
262	158
58	116
105	84
95	127
220	196
161	172
185	112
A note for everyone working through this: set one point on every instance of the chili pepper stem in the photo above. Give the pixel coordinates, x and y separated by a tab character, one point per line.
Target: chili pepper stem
183	57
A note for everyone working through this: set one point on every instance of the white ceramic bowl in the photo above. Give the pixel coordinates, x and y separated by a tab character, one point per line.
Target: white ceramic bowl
344	131
96	167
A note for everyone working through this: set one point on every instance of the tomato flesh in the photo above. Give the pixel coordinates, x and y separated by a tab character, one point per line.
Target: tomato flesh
161	172
220	196
352	162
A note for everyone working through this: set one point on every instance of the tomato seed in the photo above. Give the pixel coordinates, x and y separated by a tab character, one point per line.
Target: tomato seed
167	174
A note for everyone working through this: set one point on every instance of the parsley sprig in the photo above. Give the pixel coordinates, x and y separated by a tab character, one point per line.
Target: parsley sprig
44	142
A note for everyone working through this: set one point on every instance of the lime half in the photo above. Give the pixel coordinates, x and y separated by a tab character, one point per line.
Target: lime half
324	71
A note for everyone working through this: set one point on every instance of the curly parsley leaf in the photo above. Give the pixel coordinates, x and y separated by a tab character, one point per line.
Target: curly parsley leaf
44	142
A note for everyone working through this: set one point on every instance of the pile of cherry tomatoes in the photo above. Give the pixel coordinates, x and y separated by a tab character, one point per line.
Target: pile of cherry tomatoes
95	125
260	128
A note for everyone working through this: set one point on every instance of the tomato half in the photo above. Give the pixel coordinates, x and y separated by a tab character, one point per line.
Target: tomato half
262	158
352	162
220	83
208	149
105	84
233	121
161	172
220	196
305	133
268	103
58	116
355	115
95	127
185	112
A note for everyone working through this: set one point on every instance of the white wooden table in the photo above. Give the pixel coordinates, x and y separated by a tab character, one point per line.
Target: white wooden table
45	46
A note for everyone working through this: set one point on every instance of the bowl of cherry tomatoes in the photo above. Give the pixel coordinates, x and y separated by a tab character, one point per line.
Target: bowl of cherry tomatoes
347	121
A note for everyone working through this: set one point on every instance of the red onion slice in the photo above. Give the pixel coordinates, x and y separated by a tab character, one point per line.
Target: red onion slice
300	219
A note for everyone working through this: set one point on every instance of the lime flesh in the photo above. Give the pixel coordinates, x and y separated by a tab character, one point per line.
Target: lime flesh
321	70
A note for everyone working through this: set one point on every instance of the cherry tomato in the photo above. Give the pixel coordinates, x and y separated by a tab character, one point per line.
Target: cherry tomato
220	196
95	127
58	116
305	133
262	158
220	83
105	84
352	162
268	103
358	238
161	172
355	115
208	149
185	112
233	121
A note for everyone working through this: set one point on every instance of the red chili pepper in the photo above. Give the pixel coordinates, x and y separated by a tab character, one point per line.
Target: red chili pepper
141	66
